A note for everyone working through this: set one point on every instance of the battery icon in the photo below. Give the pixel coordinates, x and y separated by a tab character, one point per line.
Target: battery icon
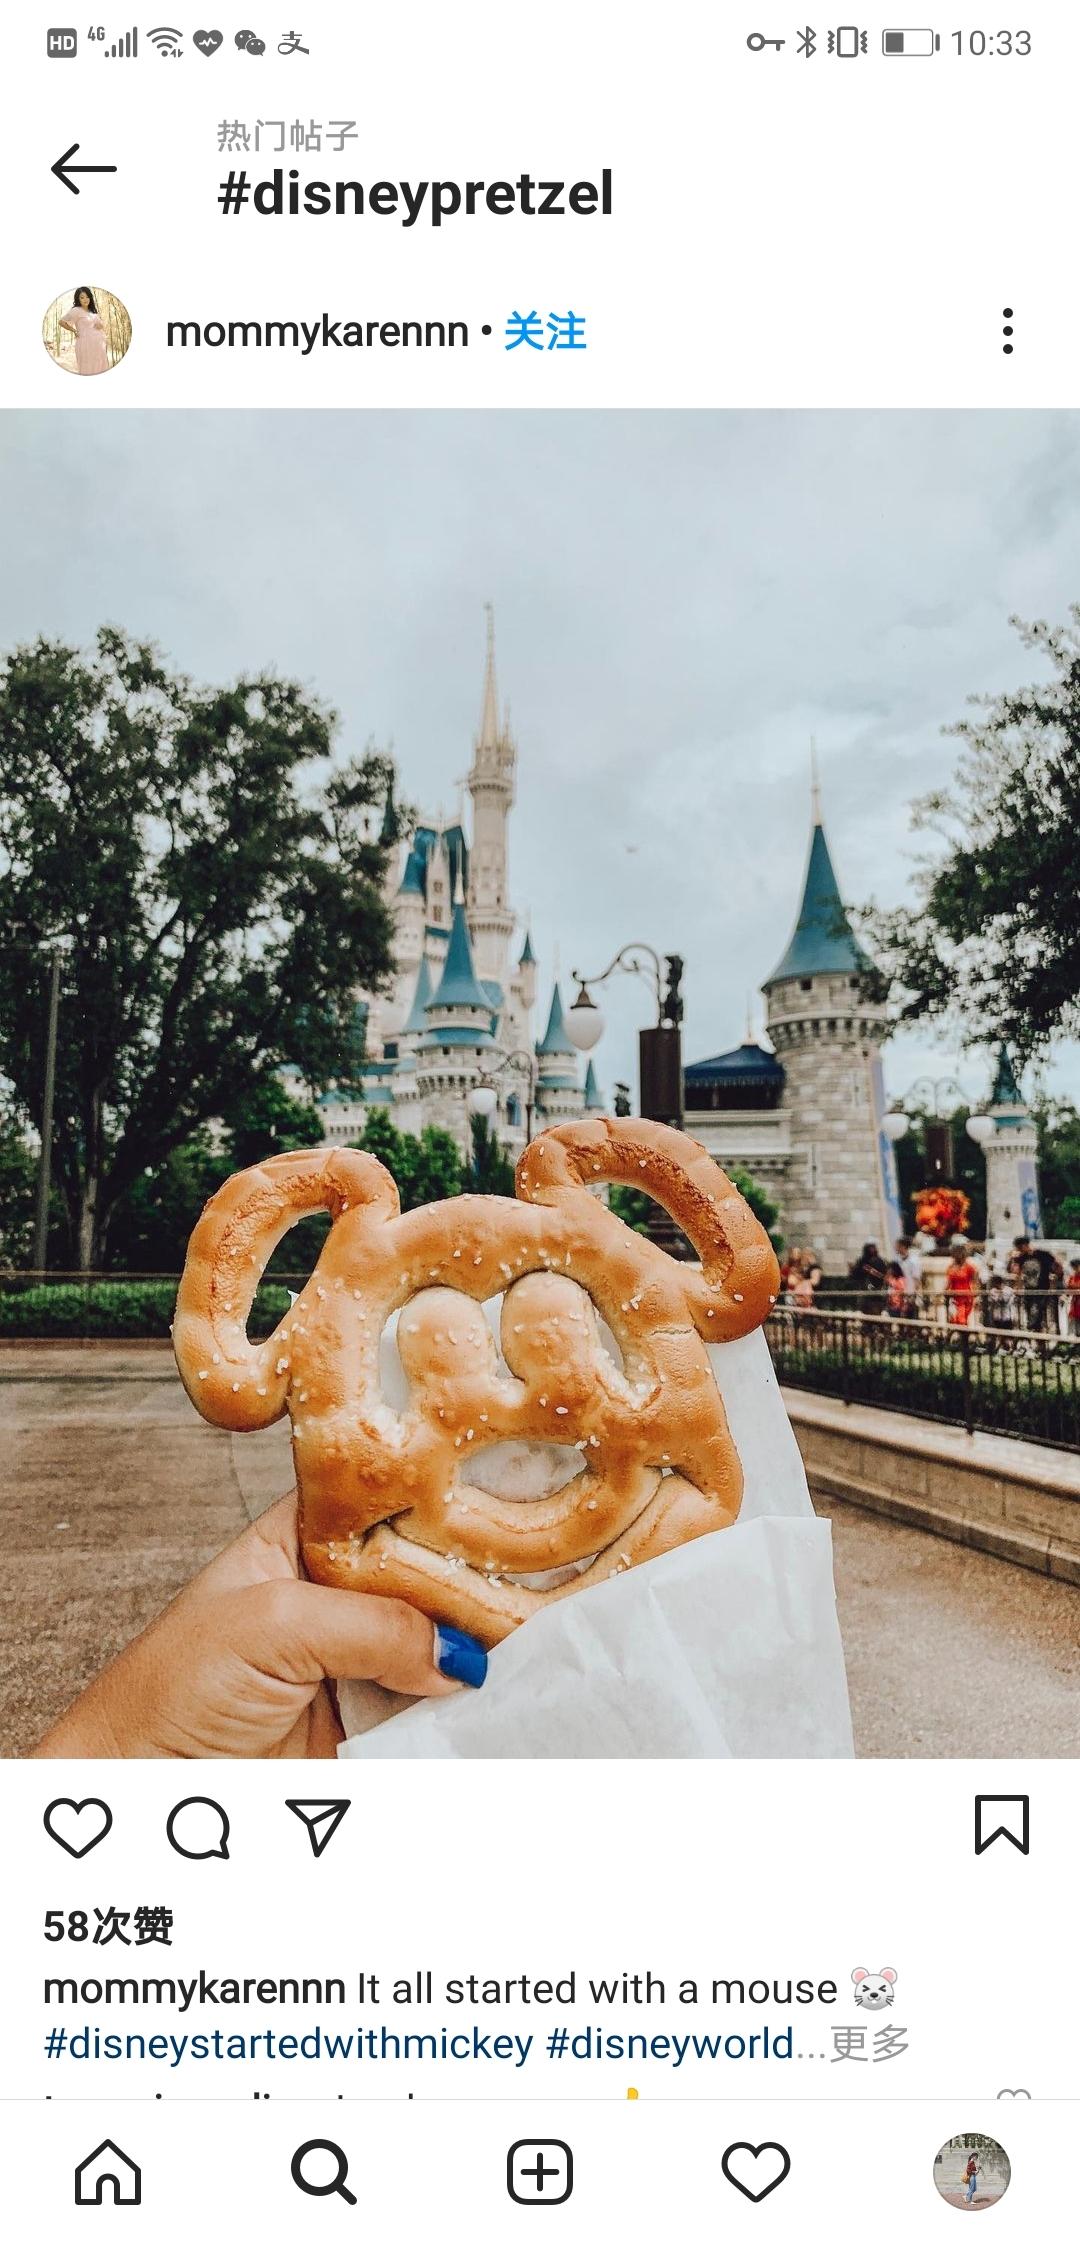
910	42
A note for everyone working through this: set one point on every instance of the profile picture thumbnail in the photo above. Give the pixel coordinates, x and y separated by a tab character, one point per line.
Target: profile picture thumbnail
972	2171
87	330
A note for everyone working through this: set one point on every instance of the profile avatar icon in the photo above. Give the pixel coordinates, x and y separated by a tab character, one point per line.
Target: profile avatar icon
87	330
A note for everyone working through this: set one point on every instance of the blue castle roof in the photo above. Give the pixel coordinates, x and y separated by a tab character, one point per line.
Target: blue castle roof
459	985
414	877
823	941
416	1022
555	1038
740	1069
594	1103
528	955
448	1039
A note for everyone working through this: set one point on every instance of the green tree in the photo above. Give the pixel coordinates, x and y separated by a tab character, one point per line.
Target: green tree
631	1206
269	1118
158	1214
220	898
1058	1125
489	1168
18	1193
993	944
759	1203
428	1167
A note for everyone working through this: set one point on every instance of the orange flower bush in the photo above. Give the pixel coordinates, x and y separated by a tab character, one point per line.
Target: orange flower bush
941	1209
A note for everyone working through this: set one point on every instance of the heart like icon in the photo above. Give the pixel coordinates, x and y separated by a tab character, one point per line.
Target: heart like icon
207	42
78	1825
756	2168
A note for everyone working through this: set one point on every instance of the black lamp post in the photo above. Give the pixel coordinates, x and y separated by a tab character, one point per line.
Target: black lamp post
483	1098
659	1053
659	1048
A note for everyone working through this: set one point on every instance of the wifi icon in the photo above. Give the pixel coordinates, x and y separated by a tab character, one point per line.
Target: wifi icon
166	40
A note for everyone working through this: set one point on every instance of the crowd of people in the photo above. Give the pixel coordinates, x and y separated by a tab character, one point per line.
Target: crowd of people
1031	1291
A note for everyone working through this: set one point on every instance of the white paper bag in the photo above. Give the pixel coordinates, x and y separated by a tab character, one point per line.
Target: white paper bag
726	1648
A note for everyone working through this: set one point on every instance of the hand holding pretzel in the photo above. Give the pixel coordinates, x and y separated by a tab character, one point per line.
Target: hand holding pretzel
387	1501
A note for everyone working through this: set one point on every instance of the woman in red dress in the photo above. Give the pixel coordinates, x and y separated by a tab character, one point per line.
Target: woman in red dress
961	1286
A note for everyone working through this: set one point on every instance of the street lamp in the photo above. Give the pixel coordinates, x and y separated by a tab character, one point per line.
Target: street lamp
482	1098
981	1127
659	1055
933	1089
659	1048
939	1087
44	1179
482	1101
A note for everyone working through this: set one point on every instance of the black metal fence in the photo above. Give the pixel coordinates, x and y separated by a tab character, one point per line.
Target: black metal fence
1021	1383
1003	1308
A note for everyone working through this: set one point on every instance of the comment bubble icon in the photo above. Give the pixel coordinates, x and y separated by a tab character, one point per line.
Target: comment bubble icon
198	1828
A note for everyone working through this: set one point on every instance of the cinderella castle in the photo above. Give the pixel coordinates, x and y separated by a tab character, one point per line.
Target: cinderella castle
805	1113
458	1021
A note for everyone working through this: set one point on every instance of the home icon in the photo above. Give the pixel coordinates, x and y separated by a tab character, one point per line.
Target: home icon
108	2172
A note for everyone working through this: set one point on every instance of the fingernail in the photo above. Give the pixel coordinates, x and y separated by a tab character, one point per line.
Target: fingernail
460	1657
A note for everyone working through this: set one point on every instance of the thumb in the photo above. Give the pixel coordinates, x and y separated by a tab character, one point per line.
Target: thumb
303	1632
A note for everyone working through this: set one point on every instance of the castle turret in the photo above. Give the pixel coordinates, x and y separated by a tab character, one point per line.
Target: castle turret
408	910
438	883
1012	1176
827	1031
491	786
559	1094
525	973
594	1101
416	1022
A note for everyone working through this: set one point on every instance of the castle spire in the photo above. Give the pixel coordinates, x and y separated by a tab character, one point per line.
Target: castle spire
824	941
458	987
815	785
1006	1091
489	706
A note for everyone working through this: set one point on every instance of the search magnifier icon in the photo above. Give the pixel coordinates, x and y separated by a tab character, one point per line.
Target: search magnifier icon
335	2187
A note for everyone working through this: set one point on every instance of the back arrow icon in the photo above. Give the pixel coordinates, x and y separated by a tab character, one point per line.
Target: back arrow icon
63	167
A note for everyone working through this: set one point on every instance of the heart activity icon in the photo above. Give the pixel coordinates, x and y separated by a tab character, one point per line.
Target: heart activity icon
207	42
755	2169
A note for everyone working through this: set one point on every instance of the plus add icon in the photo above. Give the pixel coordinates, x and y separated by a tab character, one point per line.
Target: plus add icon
532	2178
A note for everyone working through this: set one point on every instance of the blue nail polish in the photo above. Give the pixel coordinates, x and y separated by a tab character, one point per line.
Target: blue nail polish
460	1656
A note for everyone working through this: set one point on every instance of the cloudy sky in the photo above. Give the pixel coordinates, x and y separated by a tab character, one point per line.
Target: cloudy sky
681	601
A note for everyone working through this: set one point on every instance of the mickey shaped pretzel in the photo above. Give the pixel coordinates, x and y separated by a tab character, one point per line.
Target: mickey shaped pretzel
387	1503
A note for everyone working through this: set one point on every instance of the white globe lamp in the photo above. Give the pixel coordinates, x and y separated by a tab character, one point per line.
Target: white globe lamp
981	1128
584	1022
896	1124
482	1101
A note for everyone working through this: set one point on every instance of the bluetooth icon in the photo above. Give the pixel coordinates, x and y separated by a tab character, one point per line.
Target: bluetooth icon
807	41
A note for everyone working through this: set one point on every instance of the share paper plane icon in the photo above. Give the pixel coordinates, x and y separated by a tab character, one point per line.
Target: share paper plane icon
320	1819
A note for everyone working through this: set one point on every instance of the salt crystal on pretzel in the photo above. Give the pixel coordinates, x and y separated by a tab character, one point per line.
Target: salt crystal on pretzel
386	1502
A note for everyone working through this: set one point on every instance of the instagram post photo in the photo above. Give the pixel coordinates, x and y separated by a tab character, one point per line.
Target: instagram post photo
539	1123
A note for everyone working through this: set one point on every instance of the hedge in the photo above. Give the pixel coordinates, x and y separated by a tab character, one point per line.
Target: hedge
112	1309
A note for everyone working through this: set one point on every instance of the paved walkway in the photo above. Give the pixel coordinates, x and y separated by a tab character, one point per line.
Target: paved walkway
113	1492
